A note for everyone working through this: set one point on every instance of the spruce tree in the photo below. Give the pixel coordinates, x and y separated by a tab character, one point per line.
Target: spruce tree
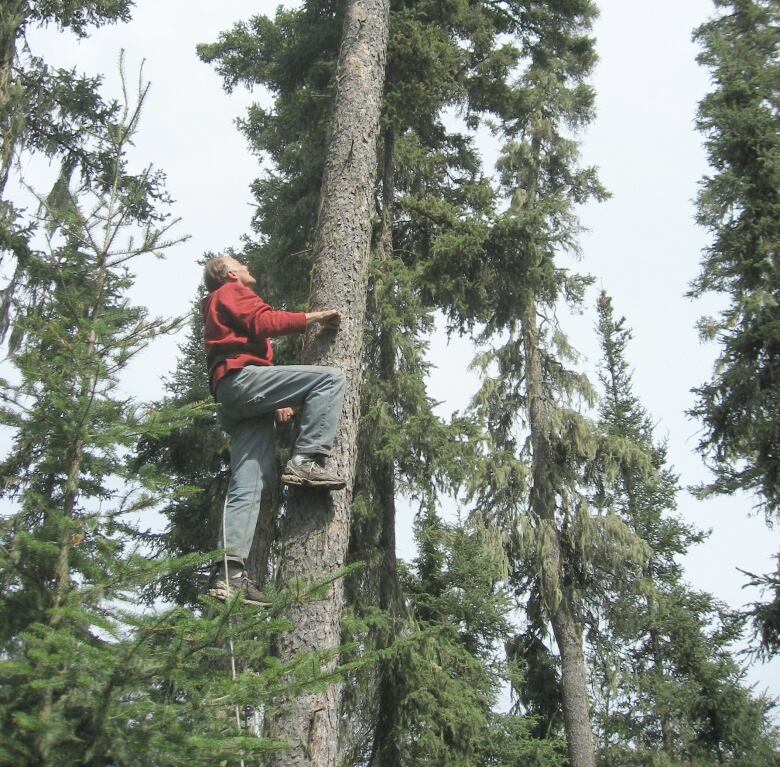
645	501
87	678
432	205
431	255
46	110
545	459
431	214
314	534
666	683
41	108
738	206
449	670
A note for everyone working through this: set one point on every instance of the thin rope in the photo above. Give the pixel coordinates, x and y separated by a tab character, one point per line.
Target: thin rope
227	596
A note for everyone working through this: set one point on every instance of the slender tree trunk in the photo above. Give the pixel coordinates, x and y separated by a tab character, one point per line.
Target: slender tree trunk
315	529
667	733
389	587
576	713
61	583
386	751
557	595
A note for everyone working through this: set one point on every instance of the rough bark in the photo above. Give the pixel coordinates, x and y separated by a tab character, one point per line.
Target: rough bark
315	528
557	596
260	554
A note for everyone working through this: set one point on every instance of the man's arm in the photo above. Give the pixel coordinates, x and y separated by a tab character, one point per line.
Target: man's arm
330	318
241	308
246	309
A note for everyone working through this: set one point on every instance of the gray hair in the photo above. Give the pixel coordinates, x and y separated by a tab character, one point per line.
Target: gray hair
215	272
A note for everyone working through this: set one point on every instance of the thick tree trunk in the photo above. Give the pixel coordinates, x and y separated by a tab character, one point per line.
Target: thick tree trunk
557	596
315	528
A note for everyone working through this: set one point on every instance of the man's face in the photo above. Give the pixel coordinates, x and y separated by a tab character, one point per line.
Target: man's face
237	272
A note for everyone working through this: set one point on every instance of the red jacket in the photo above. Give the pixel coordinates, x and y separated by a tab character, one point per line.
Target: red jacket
237	325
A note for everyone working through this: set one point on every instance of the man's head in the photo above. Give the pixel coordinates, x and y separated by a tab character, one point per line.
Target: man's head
222	269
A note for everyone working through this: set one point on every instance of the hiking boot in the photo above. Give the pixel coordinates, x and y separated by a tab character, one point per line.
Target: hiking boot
251	595
309	473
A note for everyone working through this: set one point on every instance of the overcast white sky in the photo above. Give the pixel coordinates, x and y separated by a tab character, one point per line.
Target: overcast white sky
642	245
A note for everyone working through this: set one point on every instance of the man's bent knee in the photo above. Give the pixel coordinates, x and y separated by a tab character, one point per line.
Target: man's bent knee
337	374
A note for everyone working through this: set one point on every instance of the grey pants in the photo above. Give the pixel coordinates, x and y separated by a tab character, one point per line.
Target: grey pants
249	400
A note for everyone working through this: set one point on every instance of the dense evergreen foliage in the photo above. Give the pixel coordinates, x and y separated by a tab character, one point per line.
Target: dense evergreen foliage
436	248
666	686
545	460
87	678
550	624
738	205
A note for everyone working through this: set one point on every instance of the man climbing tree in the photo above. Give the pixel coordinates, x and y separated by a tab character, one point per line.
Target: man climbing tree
237	327
315	529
